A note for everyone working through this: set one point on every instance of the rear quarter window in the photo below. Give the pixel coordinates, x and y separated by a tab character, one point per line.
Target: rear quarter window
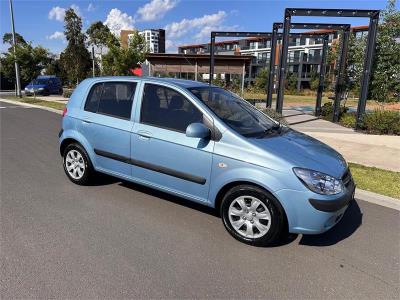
111	98
93	99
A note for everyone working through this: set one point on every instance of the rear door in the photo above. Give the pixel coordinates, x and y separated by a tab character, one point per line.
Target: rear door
106	123
162	154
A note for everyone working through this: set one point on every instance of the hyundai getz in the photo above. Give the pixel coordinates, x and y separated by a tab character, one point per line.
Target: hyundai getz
207	145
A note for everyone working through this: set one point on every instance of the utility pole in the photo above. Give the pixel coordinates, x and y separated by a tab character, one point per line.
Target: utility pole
15	52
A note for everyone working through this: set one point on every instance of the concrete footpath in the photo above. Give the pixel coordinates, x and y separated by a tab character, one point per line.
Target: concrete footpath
381	151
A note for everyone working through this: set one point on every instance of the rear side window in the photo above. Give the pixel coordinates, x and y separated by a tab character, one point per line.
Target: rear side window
112	98
92	102
166	108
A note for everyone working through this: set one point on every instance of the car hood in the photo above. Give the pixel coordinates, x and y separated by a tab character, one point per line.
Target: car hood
35	86
303	151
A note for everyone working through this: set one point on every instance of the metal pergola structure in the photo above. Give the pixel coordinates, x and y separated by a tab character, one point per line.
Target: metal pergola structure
373	15
215	34
325	37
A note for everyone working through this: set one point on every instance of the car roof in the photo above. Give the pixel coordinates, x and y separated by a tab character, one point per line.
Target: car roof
46	76
177	82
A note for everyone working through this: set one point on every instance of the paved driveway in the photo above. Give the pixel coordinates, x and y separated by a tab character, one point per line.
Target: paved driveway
120	240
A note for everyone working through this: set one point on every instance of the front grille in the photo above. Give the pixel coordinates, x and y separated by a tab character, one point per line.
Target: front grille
347	178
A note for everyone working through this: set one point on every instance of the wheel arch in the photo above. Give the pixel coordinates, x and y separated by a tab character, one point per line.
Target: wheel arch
66	142
223	190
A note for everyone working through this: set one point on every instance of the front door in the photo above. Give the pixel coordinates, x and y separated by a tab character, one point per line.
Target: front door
106	124
162	154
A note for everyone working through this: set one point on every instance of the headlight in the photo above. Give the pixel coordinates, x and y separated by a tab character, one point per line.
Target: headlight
319	182
40	89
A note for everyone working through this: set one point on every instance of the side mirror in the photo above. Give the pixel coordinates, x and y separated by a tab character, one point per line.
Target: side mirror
198	130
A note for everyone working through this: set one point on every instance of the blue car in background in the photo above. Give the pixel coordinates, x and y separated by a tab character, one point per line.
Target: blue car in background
207	145
44	85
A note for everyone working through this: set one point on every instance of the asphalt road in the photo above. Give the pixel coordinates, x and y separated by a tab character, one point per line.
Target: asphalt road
120	240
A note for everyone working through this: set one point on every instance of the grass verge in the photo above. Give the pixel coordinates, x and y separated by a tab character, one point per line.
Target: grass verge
376	180
37	101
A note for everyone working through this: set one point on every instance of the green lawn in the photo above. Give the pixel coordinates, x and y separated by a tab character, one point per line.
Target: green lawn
376	180
30	100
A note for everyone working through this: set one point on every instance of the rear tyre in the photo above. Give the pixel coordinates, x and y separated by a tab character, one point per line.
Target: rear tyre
77	164
252	215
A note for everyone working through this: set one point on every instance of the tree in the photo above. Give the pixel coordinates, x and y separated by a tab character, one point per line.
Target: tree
119	60
355	63
218	81
7	39
75	59
101	37
32	60
385	80
314	81
291	82
262	79
54	67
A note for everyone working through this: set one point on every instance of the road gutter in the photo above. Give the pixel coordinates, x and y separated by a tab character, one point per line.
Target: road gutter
379	199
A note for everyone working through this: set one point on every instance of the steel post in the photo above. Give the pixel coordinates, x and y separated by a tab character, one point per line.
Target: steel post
322	72
373	26
272	71
283	62
212	58
340	81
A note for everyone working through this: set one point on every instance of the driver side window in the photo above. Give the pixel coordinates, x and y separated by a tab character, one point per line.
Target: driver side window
166	108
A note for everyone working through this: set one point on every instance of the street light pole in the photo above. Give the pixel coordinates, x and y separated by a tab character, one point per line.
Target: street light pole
15	52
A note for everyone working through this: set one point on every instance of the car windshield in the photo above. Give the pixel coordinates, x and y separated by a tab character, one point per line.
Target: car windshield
236	112
39	81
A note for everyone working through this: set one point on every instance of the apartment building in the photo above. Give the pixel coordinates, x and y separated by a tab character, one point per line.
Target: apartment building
304	54
155	39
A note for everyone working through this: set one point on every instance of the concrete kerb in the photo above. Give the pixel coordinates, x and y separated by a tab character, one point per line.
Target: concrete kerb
57	111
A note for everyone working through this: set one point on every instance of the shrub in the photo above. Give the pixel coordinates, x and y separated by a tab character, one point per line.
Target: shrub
348	120
327	111
382	122
274	115
67	93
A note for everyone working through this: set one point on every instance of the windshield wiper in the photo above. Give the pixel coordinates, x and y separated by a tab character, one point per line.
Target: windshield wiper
275	128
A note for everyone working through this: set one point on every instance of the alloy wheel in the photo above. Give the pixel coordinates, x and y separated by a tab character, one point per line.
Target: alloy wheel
75	164
249	217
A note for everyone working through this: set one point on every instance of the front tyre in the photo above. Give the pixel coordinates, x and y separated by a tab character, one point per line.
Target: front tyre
77	164
252	215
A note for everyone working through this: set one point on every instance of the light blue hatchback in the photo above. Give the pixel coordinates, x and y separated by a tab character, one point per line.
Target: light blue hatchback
207	145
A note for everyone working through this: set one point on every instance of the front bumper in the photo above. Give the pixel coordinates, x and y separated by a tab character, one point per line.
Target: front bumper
332	205
310	213
32	92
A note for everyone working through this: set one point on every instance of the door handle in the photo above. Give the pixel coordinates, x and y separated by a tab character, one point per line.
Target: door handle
144	135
